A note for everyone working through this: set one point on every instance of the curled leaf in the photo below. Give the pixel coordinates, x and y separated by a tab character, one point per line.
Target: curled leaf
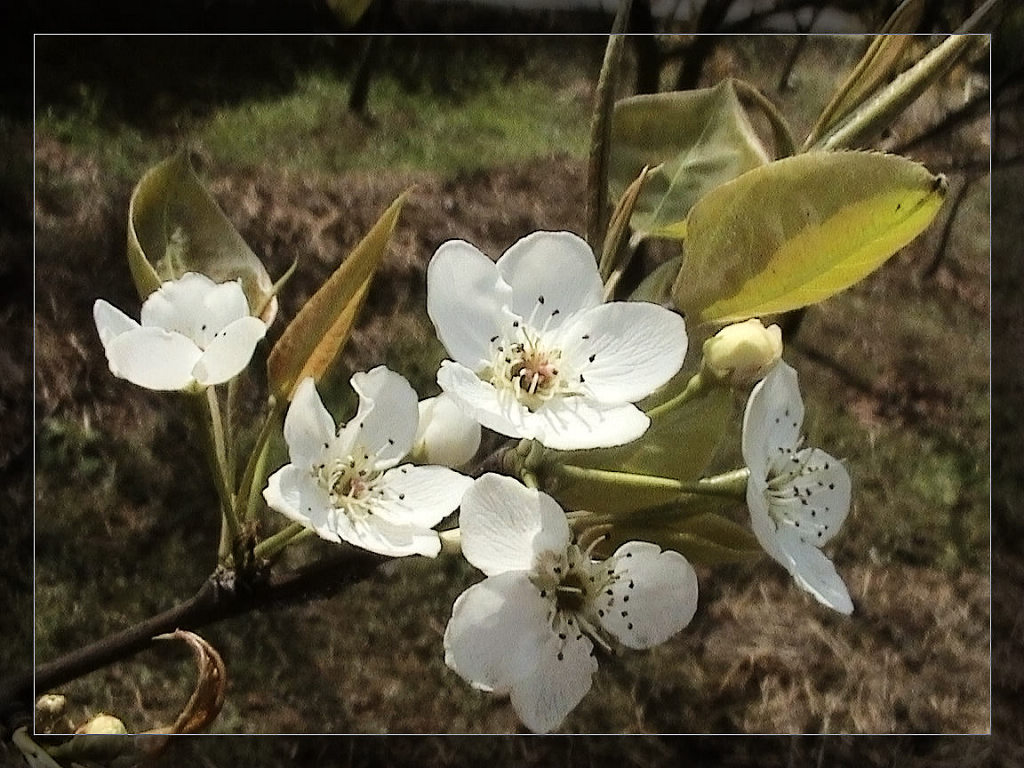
208	697
694	140
175	226
319	331
618	226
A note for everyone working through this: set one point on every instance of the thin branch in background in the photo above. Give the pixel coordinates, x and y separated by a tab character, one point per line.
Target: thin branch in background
798	49
972	109
702	44
645	46
947	229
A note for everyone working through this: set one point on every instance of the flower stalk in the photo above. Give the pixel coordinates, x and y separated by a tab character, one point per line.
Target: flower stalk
271	547
698	386
213	432
730	484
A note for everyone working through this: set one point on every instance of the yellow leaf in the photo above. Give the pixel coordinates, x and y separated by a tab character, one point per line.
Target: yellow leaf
799	230
319	331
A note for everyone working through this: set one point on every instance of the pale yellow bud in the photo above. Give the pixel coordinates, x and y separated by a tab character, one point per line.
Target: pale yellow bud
744	352
102	723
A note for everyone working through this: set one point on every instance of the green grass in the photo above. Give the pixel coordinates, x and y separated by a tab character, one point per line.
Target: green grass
122	150
310	131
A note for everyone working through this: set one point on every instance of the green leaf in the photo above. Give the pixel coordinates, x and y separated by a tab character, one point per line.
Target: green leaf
875	66
657	286
702	534
319	331
175	226
699	139
678	445
799	230
710	539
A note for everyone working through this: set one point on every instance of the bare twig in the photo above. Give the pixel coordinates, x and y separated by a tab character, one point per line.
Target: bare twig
219	598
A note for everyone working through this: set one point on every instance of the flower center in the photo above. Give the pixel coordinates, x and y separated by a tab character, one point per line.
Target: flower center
577	587
349	481
526	368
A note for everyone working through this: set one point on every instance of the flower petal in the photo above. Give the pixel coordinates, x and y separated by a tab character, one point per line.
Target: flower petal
654	597
464	298
224	305
479	399
420	496
229	351
292	492
153	358
558	682
308	427
378	535
813	571
445	435
388	414
576	423
552	274
772	419
505	524
497	629
111	322
760	519
624	350
817	500
180	306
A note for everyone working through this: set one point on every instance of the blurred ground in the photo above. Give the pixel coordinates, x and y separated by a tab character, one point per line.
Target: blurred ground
896	370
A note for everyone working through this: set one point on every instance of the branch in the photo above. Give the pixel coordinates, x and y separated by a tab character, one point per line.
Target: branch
220	597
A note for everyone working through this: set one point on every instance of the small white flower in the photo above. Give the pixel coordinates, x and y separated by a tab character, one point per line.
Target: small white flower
446	435
528	630
194	333
346	485
798	497
535	352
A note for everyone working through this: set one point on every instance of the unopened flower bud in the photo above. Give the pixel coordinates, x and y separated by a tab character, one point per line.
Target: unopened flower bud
744	352
102	724
446	436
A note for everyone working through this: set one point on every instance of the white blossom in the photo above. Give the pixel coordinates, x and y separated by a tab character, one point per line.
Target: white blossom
536	354
798	497
347	484
446	435
528	630
194	333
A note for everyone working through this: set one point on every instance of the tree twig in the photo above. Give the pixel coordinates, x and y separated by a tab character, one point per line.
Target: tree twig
219	598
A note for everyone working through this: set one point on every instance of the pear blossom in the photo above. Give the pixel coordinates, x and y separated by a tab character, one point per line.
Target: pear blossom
347	484
194	333
798	497
446	435
528	630
536	354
